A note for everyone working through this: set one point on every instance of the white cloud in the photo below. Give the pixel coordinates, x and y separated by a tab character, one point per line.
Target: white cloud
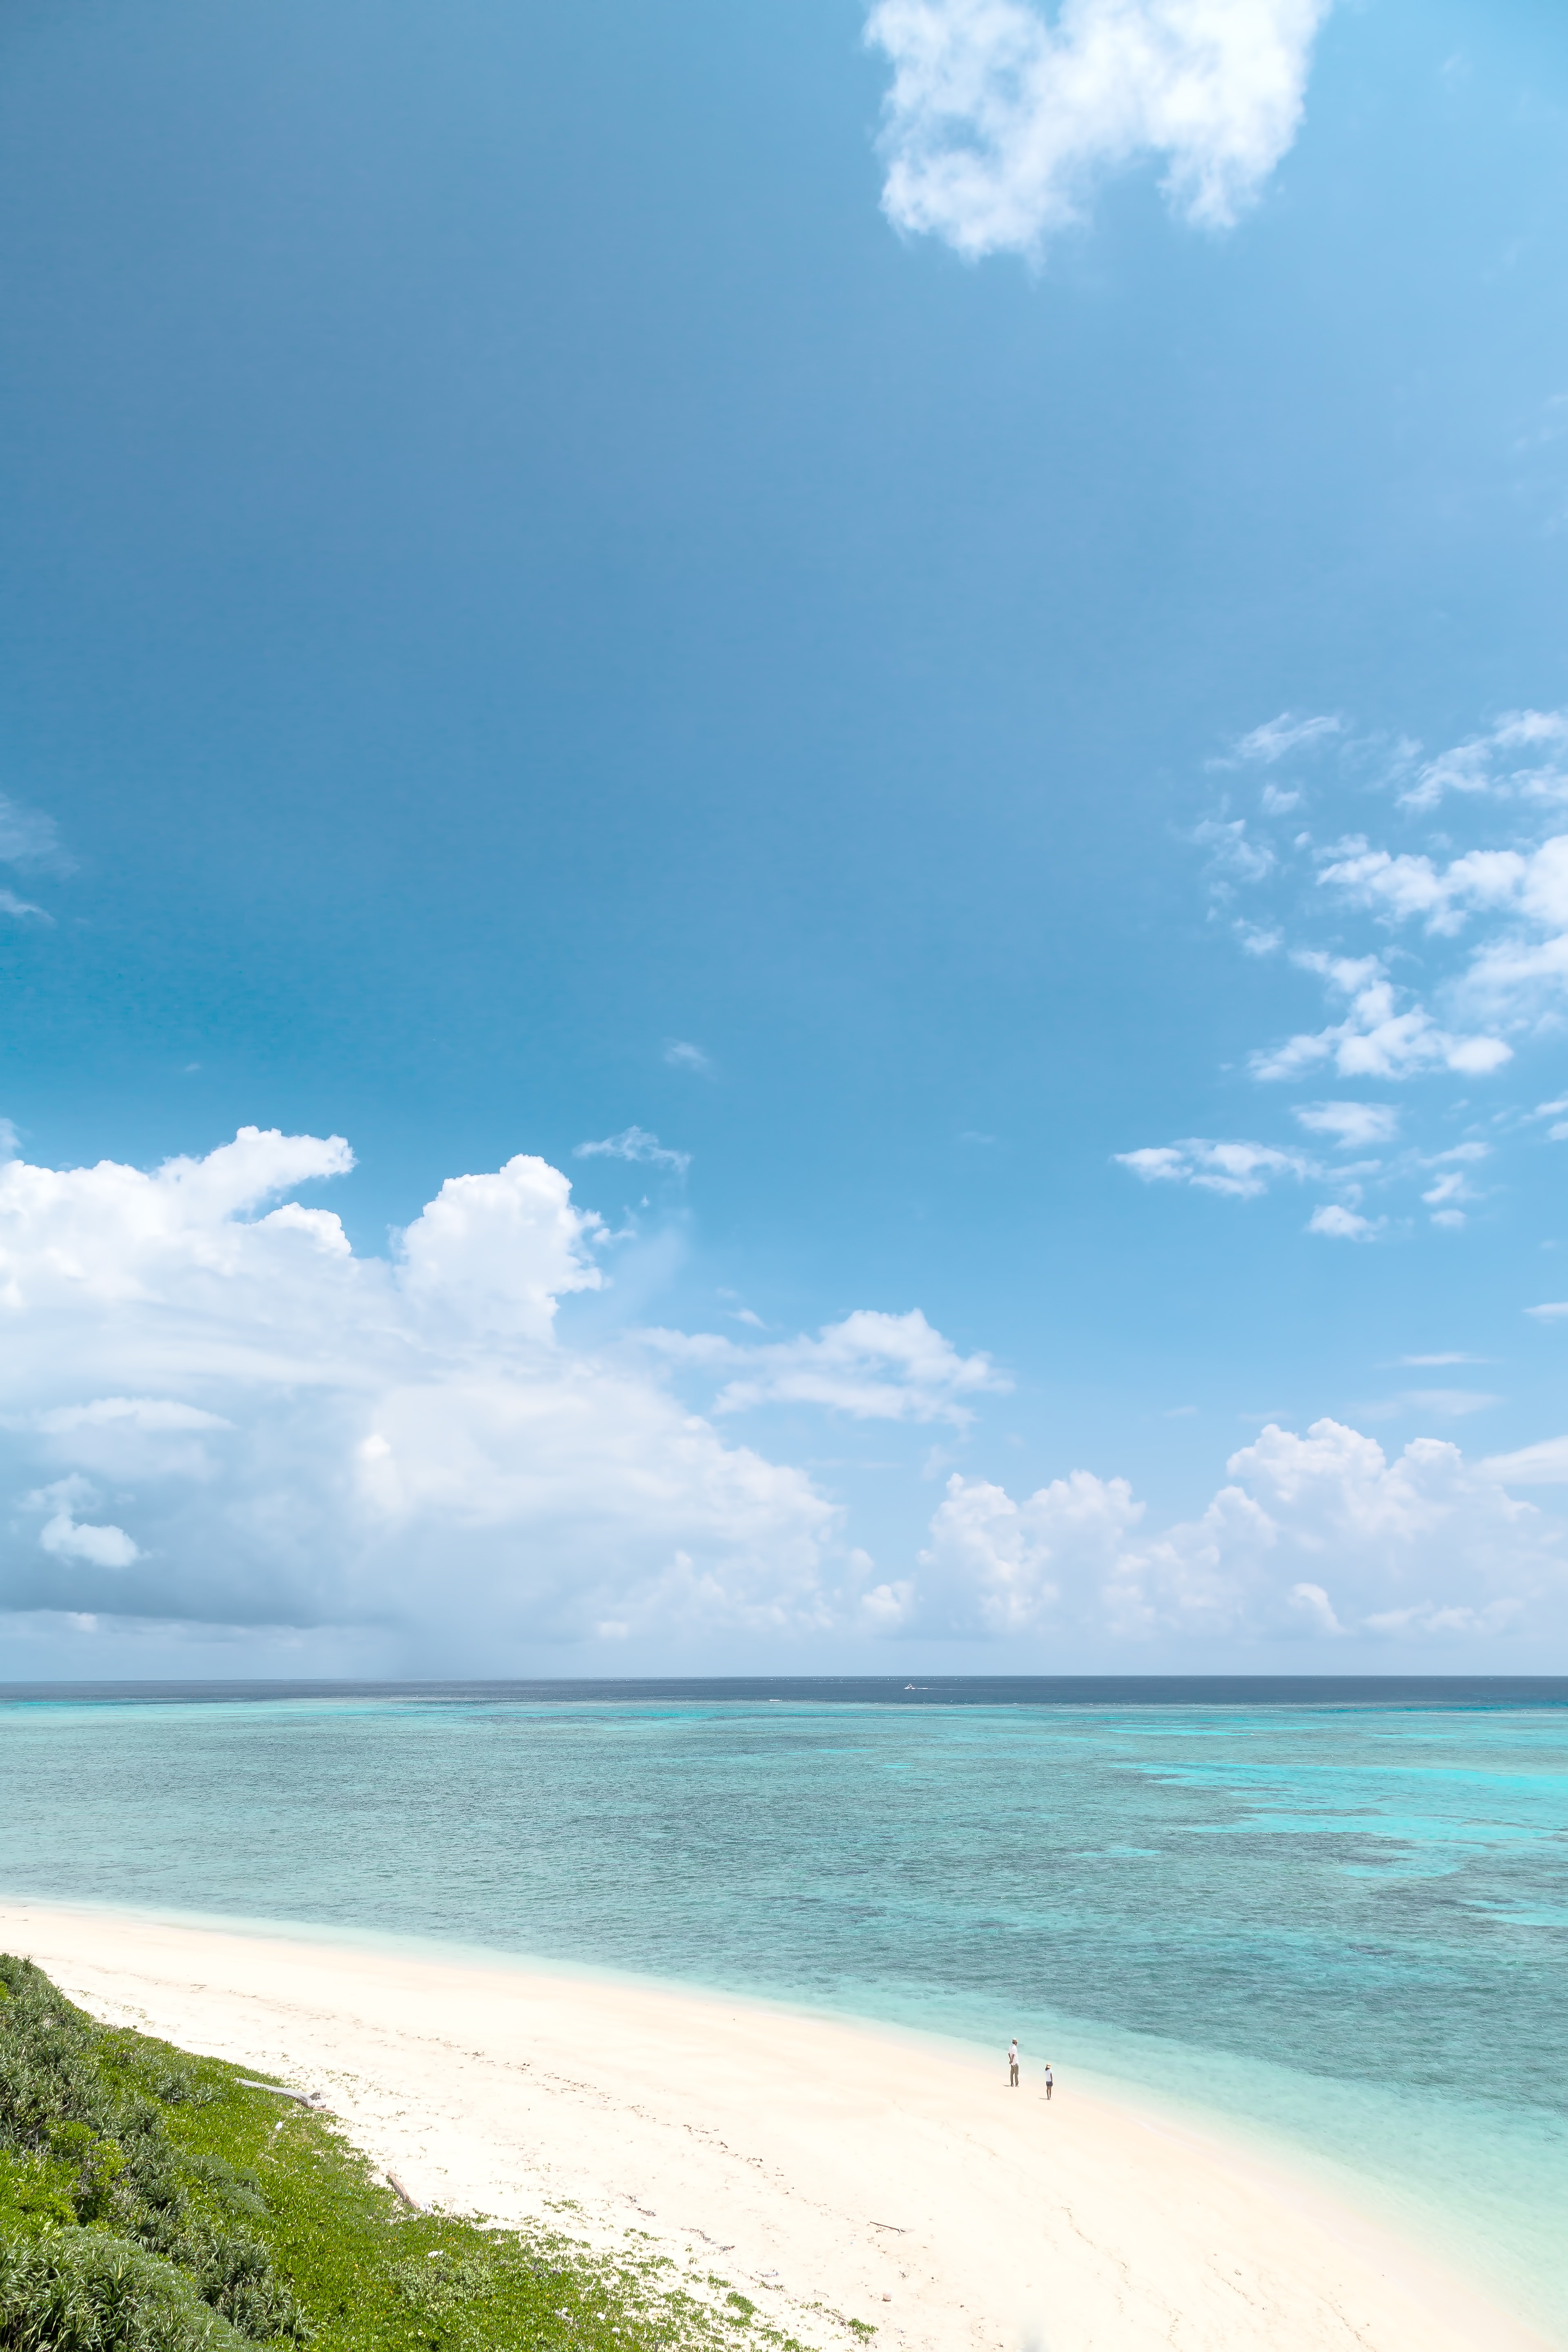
1232	856
1375	1039
1399	887
21	908
1432	1404
1321	1535
140	1414
286	1434
69	1539
1545	1464
1276	738
1514	975
1341	1224
1447	1190
1315	1606
681	1054
1000	121
636	1143
1353	1125
1516	979
1521	758
1552	1311
1240	1171
872	1366
27	837
296	1436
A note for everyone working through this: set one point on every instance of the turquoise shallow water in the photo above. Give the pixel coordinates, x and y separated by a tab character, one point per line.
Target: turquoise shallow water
1341	1926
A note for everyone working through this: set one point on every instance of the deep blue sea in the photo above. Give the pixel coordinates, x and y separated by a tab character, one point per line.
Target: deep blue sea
1332	1914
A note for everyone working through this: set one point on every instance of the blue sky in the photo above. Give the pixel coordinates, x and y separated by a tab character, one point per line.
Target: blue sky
896	618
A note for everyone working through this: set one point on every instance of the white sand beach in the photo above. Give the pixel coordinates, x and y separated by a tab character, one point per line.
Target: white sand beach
831	2171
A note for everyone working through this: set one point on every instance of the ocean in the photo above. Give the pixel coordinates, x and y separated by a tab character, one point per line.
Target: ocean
1330	1918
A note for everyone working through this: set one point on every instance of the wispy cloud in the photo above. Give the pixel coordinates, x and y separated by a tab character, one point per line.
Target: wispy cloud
1431	1405
1277	737
1353	1125
1545	1464
1001	122
636	1143
1240	1171
680	1053
1234	856
1524	757
872	1366
28	837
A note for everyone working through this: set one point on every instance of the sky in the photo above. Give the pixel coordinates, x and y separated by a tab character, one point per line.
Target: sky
784	872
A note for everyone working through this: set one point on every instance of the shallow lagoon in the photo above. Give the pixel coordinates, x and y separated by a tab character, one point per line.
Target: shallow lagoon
1339	1920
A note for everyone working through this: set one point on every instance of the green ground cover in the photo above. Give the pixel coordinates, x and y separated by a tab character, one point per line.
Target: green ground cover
149	2202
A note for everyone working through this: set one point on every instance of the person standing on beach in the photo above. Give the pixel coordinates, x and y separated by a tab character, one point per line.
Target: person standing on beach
1013	2063
1050	2082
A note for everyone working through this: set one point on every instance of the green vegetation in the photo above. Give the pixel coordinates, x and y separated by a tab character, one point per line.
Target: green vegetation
151	2203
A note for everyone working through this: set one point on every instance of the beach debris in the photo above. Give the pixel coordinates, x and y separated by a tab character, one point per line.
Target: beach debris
305	2099
396	2185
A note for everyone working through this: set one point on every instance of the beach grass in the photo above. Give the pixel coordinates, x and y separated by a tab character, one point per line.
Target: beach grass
150	2201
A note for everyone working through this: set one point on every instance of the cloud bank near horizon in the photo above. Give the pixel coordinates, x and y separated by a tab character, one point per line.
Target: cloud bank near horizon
1001	122
214	1413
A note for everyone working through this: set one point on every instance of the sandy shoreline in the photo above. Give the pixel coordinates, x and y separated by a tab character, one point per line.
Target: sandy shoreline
832	2170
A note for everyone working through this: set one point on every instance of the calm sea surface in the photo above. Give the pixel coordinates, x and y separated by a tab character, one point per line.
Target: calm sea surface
1335	1915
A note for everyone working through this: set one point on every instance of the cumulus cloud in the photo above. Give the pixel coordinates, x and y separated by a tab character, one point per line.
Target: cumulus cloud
1380	1036
636	1143
1315	1535
67	1537
1338	1224
872	1366
291	1435
214	1411
1000	121
1509	978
